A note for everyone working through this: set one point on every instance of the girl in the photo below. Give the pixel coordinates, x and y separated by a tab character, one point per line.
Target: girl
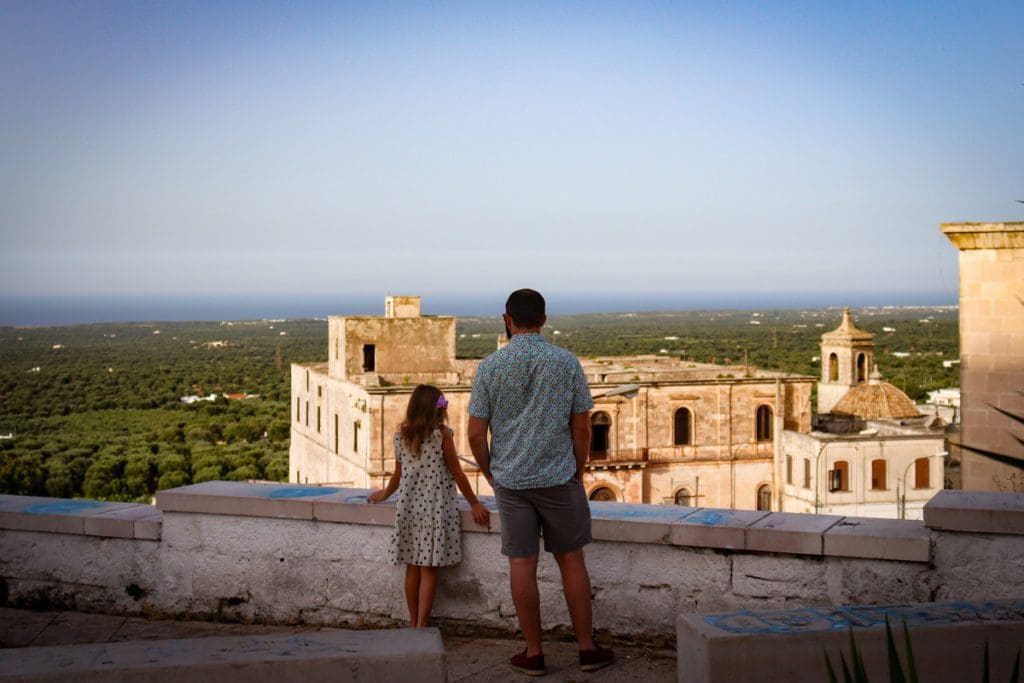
427	532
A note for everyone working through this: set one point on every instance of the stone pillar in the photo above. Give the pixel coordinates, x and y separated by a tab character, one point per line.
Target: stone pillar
991	348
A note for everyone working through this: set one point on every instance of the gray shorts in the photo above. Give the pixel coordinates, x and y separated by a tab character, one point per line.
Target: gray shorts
562	512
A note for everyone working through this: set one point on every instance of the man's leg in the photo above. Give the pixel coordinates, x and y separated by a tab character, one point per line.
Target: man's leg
576	585
526	598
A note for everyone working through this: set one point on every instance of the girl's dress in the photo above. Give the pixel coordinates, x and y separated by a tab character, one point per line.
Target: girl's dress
427	528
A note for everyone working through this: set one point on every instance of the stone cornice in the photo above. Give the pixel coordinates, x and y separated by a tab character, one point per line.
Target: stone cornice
985	235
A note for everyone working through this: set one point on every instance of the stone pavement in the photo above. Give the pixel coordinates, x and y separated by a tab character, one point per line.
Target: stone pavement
469	658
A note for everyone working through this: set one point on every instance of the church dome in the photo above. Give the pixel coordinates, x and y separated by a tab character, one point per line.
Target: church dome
877	400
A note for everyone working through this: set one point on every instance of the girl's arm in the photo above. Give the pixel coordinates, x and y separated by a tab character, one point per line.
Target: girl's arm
451	459
385	493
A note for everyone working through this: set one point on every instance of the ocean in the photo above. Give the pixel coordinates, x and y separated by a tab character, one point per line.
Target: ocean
43	311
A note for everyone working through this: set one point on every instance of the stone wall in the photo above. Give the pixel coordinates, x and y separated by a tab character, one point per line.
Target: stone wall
991	347
290	554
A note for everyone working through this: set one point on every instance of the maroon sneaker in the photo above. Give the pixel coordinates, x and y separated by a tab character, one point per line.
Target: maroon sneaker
592	660
531	666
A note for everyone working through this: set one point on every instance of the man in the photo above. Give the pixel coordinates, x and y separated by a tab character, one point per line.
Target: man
534	399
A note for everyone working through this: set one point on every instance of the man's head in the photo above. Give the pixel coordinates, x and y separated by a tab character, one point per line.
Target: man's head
526	308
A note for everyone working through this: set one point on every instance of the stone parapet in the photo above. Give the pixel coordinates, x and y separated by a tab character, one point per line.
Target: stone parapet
285	553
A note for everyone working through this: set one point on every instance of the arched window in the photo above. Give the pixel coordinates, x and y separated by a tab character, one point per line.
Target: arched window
600	425
764	497
833	367
839	476
603	493
922	474
683	497
764	423
862	367
878	475
682	432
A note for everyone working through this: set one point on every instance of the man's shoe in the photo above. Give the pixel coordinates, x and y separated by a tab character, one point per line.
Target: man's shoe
592	660
531	666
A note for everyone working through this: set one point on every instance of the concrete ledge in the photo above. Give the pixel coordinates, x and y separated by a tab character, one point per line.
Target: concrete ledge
882	539
75	516
788	532
948	640
328	655
283	501
635	523
979	511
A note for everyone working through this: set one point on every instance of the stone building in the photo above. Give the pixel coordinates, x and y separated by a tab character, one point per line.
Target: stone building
871	453
991	350
665	431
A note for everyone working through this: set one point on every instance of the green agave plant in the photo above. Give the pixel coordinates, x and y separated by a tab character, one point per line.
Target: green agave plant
854	672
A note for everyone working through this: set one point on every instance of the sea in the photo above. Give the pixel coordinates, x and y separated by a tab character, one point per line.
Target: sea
51	311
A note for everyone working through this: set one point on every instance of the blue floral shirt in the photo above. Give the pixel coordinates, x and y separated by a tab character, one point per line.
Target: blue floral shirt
528	391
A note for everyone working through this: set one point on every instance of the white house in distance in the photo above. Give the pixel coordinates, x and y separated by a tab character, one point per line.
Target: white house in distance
871	452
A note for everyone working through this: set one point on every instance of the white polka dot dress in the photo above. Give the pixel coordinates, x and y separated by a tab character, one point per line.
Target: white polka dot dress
427	528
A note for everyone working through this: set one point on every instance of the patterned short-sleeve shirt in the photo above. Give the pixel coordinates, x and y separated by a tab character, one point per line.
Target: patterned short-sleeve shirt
529	391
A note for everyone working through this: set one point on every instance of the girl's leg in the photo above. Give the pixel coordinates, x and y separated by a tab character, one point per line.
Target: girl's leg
428	585
412	592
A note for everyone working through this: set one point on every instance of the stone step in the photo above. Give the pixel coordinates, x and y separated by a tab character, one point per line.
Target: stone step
948	640
310	657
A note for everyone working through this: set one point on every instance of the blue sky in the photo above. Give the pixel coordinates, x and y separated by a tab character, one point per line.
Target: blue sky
293	149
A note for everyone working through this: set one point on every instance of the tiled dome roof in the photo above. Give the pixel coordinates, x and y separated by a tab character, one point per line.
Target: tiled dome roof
876	401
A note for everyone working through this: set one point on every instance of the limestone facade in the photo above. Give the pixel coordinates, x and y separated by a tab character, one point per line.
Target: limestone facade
665	431
991	348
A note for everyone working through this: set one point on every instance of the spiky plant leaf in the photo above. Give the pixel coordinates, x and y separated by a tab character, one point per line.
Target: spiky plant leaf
911	666
895	667
1015	675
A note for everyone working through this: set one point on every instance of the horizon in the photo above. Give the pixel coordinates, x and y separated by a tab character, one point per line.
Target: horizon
65	311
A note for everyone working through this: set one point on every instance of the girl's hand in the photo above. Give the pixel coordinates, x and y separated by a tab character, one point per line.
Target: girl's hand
377	496
481	515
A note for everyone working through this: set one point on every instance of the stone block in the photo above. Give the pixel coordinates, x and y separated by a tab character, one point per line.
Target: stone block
948	640
285	501
371	656
634	523
711	528
349	506
122	522
57	515
980	511
883	539
789	532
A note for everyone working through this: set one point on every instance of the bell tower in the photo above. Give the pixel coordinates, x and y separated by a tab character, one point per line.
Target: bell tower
847	358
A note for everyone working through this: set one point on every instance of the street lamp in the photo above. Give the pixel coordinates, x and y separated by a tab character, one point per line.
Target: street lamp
817	478
901	500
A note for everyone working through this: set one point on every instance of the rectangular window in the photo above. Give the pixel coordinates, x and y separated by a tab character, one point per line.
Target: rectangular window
307	380
369	357
320	391
878	475
298	409
355	436
307	413
318	419
789	469
807	473
335	432
922	475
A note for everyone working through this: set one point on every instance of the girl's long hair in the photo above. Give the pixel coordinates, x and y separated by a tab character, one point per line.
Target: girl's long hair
422	416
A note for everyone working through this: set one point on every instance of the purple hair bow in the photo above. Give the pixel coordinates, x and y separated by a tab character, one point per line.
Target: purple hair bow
442	402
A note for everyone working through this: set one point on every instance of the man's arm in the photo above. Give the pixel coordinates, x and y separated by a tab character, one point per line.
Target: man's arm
580	425
478	445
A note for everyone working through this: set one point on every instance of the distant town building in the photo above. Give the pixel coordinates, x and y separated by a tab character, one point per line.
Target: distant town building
664	430
872	453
